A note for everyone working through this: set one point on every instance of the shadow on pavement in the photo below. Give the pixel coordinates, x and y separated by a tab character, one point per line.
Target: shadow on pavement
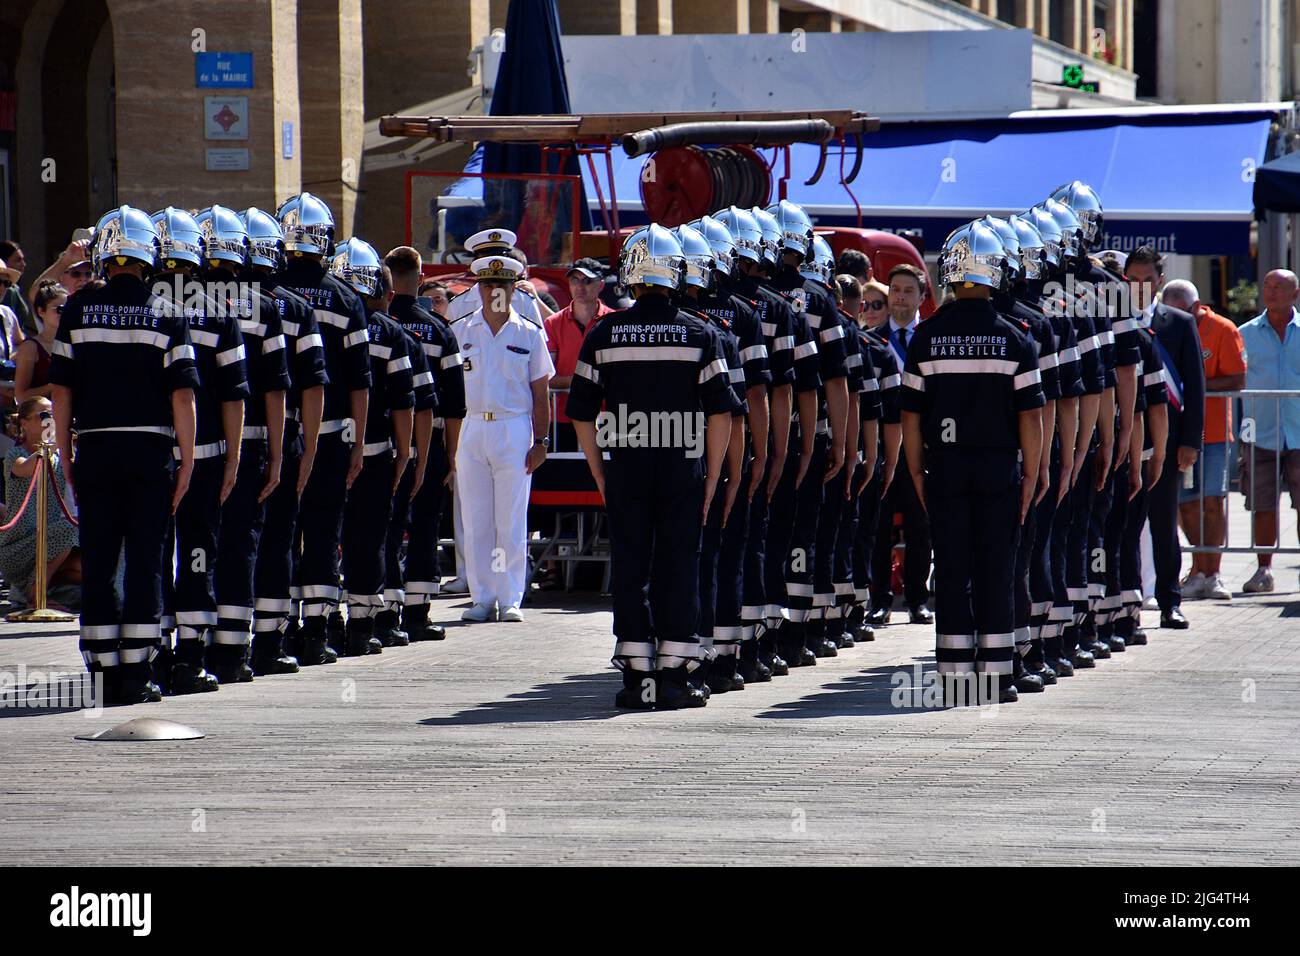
578	697
894	691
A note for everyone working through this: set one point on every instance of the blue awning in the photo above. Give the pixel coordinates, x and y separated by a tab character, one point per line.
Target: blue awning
1179	180
1277	184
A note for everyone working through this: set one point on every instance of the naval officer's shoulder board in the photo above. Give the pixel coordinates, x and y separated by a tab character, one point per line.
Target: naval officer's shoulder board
122	351
969	372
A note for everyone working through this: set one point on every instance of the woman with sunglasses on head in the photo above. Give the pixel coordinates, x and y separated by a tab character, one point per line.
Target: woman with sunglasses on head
32	371
18	544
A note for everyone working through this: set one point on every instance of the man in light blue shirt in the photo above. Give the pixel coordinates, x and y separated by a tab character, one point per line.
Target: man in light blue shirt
1271	455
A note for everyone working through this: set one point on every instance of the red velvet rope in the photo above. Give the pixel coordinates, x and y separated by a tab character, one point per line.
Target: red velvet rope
31	485
58	495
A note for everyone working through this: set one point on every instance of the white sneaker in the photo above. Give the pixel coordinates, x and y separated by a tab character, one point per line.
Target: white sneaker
1193	586
512	615
1215	589
1260	582
455	586
480	614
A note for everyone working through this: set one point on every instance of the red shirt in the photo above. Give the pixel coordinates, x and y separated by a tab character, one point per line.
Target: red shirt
564	335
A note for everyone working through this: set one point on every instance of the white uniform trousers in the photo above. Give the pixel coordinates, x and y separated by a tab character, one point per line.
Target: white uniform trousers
492	489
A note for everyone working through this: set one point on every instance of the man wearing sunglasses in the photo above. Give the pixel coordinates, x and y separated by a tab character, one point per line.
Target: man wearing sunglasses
565	331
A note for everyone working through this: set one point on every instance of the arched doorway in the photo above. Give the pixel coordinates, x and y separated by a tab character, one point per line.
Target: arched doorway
61	145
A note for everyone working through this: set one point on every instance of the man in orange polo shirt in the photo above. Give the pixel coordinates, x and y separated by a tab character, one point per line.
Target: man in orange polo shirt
565	331
1202	505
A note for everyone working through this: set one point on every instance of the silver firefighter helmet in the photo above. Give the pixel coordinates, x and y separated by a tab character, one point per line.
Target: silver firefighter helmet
771	230
1032	249
652	256
265	238
699	256
124	233
1010	244
1086	205
720	241
179	236
745	232
795	227
356	263
972	253
225	237
1050	232
307	224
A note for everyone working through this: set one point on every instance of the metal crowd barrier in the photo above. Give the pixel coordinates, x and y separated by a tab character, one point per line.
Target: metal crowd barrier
1242	409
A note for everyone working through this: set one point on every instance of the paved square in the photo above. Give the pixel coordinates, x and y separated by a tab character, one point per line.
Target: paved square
501	745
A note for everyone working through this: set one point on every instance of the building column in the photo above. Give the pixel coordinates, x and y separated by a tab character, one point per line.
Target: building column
654	17
583	18
160	122
1027	14
331	80
1076	31
764	16
720	16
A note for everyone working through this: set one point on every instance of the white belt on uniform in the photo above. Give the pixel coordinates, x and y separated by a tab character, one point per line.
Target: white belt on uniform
147	429
254	431
376	448
210	450
439	423
328	428
495	416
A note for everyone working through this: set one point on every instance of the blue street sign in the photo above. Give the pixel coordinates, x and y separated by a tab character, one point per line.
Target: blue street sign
223	70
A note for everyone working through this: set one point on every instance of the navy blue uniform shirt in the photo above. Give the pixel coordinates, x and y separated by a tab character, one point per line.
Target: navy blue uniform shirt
122	351
969	372
392	387
650	358
341	319
440	348
304	348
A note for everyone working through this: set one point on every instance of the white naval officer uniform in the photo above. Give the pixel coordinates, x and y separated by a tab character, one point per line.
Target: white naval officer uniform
491	484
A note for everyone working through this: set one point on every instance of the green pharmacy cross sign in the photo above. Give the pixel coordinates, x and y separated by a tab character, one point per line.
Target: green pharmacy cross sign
1072	76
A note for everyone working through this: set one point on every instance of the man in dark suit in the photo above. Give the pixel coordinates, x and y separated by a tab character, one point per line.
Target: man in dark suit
1179	346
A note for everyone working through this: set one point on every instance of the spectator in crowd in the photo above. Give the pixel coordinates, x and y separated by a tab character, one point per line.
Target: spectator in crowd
565	331
71	270
548	300
875	303
437	294
1179	349
855	263
1272	344
906	289
1202	505
32	375
13	259
11	333
18	544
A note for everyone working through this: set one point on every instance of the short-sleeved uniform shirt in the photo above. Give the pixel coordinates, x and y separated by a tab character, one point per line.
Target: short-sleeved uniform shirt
500	369
122	351
863	374
651	358
471	301
778	326
564	335
392	381
812	302
969	373
342	322
422	378
304	348
1044	337
219	354
1224	354
730	311
440	349
266	358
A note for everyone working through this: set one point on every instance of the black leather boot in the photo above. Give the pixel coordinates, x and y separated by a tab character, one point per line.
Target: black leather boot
315	647
749	667
269	656
336	634
415	622
361	638
188	674
128	684
815	638
387	631
675	692
638	691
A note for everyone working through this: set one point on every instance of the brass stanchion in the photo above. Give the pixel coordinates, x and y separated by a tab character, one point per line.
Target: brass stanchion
39	612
